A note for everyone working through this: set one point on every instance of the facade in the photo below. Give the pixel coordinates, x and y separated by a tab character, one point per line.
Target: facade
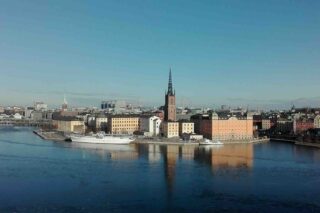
186	127
225	127
37	115
284	125
170	129
266	124
301	125
170	102
69	125
101	122
316	122
40	106
123	124
28	111
150	125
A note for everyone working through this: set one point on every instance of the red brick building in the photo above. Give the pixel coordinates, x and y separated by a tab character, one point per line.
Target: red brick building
301	125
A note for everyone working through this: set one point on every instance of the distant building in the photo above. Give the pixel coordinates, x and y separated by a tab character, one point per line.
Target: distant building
284	125
170	129
36	115
301	125
114	106
40	106
64	106
265	124
28	111
1	109
17	116
170	102
150	125
123	124
317	121
160	114
101	122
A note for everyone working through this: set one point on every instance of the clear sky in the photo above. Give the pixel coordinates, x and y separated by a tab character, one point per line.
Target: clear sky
221	52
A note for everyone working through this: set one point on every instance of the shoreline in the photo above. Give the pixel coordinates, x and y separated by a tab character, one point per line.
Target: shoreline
57	137
298	143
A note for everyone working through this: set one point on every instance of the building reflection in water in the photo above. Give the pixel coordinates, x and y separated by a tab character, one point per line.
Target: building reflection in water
170	155
215	156
226	156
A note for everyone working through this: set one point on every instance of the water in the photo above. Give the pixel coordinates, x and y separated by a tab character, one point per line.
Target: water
45	176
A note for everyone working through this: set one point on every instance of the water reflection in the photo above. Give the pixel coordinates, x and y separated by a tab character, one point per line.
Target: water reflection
227	156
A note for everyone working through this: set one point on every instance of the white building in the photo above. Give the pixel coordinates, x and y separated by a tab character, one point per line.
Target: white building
317	121
101	122
40	106
150	125
17	116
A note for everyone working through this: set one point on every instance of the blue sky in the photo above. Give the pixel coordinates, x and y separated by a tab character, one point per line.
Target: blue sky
260	53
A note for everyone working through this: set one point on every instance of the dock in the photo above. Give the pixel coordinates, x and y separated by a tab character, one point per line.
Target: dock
50	135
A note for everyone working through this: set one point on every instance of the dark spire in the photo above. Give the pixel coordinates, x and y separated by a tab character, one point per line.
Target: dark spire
170	89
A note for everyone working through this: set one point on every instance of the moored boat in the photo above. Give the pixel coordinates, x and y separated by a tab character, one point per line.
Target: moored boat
101	139
209	142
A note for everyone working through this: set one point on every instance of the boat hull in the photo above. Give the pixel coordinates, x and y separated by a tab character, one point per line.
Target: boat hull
104	140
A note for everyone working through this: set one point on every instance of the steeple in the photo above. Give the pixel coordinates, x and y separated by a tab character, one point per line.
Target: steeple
170	89
65	99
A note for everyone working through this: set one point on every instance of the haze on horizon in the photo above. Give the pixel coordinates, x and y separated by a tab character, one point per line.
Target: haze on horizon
257	53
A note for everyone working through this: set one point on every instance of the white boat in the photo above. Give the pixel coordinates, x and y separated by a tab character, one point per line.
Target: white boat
209	142
101	139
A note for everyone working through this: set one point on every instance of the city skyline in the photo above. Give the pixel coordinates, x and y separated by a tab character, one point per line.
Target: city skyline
218	52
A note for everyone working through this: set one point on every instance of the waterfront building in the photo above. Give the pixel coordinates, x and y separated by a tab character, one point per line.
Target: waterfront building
224	126
186	127
123	124
170	102
69	124
316	122
302	124
170	129
150	125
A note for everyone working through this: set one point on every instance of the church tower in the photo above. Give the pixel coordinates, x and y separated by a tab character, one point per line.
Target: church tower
170	102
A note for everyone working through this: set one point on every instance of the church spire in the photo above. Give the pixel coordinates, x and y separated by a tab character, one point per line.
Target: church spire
170	89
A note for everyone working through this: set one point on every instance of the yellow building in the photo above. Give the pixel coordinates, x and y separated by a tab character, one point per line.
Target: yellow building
123	124
69	124
170	129
186	127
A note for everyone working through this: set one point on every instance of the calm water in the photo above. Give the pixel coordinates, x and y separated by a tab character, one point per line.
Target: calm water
44	176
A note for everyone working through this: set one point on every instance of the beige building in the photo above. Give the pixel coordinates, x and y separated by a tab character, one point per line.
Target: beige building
266	124
170	129
186	127
69	124
123	124
227	127
317	121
